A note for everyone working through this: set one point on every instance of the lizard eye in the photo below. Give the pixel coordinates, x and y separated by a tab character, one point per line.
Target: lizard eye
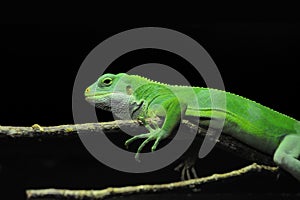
107	81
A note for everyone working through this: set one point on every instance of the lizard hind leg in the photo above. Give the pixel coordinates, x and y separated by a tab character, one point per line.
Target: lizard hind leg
189	159
187	167
287	155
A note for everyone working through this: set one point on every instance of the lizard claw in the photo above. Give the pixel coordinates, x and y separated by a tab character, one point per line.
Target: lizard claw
137	157
156	143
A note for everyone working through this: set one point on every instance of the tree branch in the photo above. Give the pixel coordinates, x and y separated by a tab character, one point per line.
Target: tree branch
129	190
225	142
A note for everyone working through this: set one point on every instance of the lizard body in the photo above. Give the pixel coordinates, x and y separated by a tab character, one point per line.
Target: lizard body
132	96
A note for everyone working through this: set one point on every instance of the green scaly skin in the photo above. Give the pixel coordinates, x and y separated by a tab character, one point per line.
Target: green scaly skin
254	124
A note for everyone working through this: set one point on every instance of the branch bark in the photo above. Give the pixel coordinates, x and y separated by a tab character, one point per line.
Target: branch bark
129	190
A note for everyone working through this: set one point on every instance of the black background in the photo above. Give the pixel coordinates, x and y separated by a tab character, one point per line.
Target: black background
257	58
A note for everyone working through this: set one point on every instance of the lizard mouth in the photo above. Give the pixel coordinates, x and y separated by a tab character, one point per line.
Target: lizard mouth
92	97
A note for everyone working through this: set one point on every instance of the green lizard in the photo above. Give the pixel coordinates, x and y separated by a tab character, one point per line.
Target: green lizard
251	123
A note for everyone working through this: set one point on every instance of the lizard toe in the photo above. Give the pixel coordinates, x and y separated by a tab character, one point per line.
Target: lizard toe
129	141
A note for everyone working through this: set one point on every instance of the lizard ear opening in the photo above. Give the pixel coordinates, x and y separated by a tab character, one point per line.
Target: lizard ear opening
129	90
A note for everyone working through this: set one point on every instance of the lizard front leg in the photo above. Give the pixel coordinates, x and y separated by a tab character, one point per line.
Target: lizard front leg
172	111
287	155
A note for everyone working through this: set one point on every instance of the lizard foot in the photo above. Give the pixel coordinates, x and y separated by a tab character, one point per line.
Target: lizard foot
188	163
186	170
157	135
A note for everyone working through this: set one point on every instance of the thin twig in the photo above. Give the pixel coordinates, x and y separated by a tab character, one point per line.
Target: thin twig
128	190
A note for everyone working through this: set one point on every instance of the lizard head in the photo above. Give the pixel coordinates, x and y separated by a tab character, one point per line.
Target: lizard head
101	91
110	88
